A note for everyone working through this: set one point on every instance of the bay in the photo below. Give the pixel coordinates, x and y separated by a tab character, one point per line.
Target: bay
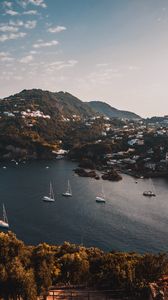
128	221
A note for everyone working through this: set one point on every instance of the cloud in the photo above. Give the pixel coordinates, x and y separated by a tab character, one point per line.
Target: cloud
33	52
12	36
30	24
133	68
16	23
30	12
39	3
8	28
69	64
13	26
2	54
104	76
100	65
5	57
7	4
59	65
47	44
11	12
26	59
56	29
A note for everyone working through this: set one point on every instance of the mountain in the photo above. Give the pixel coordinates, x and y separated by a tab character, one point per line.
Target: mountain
53	104
111	112
61	105
34	124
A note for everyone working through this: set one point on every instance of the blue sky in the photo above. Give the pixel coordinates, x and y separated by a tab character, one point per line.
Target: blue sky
110	50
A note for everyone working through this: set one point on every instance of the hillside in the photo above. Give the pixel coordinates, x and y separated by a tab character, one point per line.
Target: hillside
34	124
54	104
111	112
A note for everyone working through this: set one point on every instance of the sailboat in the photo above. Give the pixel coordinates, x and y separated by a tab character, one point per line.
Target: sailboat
150	193
101	198
49	198
4	222
68	192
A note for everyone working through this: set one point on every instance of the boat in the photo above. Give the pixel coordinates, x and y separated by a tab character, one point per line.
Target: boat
101	198
149	194
68	192
4	222
49	198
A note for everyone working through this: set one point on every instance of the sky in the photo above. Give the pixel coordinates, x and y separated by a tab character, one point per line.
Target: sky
114	51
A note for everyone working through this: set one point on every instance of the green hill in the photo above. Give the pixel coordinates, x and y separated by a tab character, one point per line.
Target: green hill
111	112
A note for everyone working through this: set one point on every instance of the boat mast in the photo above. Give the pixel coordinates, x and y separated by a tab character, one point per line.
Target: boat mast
103	194
69	188
4	214
51	191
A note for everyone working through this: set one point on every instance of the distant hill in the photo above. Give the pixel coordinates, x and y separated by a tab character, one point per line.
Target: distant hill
111	112
34	123
62	104
54	104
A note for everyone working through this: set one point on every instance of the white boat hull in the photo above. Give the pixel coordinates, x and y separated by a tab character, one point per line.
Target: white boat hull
67	194
149	194
100	200
3	224
48	199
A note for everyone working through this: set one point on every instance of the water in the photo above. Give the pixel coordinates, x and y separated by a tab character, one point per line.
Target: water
127	222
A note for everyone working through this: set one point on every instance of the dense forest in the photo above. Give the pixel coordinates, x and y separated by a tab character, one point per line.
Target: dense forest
28	271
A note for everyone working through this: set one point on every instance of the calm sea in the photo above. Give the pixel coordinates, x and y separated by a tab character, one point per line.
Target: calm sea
128	221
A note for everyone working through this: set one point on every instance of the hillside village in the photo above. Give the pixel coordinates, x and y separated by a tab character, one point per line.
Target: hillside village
36	124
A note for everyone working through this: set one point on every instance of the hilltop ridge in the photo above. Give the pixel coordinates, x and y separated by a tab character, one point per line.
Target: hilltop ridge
111	112
64	103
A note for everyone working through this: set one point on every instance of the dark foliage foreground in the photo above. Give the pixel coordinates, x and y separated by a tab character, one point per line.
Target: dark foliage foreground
28	271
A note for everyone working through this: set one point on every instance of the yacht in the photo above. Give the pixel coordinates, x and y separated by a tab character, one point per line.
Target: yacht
101	198
149	194
68	192
49	198
4	222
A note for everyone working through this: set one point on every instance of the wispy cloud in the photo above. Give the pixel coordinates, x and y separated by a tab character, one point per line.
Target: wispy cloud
56	29
101	65
133	68
16	23
7	4
33	52
40	3
30	24
69	64
11	12
26	59
12	36
8	28
46	44
59	65
13	26
5	57
30	12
